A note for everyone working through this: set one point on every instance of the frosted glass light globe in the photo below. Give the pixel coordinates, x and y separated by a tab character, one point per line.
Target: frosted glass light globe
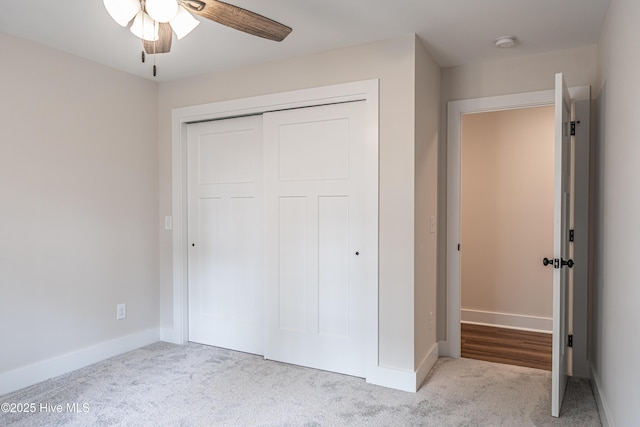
162	10
183	23
122	11
143	27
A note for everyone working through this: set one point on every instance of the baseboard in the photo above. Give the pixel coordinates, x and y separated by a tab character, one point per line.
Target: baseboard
507	320
425	366
395	378
410	381
601	402
40	371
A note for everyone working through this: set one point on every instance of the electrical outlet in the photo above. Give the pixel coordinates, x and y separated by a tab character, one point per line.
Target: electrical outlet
431	320
121	311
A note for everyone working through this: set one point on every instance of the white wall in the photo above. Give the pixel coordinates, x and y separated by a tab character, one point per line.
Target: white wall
616	319
78	204
507	216
391	61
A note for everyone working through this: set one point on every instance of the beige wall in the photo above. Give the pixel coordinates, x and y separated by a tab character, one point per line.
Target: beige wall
616	332
91	184
507	211
500	77
520	74
78	192
427	117
391	61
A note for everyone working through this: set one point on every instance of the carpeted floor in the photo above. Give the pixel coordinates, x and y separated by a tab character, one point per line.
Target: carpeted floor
196	385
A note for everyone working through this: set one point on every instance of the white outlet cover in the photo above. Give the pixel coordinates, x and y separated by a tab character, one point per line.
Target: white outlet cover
121	311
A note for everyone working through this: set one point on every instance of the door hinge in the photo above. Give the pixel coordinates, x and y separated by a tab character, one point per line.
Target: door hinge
458	247
572	235
570	341
573	127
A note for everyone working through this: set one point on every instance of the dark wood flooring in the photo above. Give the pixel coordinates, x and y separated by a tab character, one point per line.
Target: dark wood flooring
510	346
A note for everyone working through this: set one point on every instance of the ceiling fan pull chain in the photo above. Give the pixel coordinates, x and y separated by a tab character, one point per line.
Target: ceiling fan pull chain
143	54
154	59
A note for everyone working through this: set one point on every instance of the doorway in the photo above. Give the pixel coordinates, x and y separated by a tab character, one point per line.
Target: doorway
507	177
450	345
571	159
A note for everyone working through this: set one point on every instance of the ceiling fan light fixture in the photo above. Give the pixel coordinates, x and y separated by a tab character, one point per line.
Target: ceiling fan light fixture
162	10
183	23
144	27
122	11
155	21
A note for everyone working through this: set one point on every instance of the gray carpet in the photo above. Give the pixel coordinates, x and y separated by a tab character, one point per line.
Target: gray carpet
196	385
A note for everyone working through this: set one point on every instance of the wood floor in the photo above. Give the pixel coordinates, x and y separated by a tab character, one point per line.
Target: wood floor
513	347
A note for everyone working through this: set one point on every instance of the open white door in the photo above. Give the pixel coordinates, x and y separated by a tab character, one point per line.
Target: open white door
561	262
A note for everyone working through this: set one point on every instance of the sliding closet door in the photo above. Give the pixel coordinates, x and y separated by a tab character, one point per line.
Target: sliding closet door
225	233
314	190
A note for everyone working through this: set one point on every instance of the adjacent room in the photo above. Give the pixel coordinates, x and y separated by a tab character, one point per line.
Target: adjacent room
507	157
253	213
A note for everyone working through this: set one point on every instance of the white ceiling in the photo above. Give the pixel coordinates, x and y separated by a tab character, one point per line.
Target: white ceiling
454	31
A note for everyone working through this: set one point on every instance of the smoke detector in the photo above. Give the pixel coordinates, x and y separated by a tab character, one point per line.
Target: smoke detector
506	41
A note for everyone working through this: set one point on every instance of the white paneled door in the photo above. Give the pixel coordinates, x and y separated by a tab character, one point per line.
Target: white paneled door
314	210
561	250
225	217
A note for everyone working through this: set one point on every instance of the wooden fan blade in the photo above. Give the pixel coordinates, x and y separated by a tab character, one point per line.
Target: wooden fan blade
238	18
163	44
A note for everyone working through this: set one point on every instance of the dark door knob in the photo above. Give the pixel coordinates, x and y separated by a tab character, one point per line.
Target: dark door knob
557	263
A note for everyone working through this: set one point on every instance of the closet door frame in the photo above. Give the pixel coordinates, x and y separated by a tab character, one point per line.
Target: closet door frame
367	91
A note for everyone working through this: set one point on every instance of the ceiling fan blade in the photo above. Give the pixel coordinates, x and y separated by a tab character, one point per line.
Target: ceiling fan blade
238	18
163	44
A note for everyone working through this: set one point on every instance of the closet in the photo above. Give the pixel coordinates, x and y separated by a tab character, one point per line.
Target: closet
276	235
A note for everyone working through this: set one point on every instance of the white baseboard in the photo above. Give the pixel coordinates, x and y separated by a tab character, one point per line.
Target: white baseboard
507	320
40	371
395	378
425	366
406	380
601	402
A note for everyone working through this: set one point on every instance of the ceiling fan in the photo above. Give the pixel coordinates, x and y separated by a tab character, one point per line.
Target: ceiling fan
155	21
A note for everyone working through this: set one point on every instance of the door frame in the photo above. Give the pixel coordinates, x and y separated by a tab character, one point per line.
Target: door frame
367	91
450	346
